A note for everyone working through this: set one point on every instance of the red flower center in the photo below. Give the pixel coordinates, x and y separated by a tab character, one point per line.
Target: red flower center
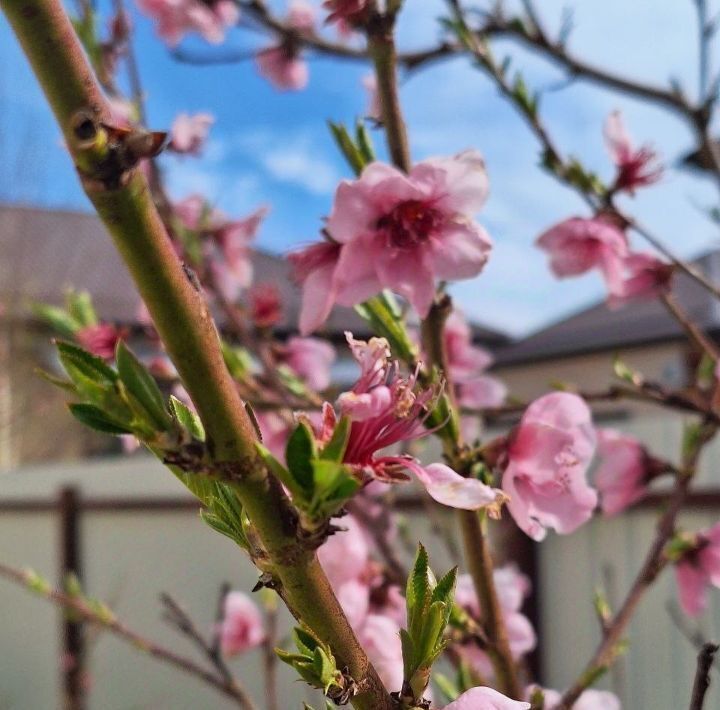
409	223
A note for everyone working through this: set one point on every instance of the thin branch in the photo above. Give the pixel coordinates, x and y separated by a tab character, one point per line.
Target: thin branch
702	675
105	620
180	620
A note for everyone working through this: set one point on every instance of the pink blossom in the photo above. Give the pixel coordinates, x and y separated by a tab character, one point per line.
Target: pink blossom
512	588
301	16
698	570
100	339
645	277
386	409
374	108
403	232
175	18
397	231
624	472
467	363
188	133
346	553
481	698
242	625
380	638
634	166
228	241
577	245
265	305
275	431
123	113
548	457
310	359
588	700
349	11
283	68
314	269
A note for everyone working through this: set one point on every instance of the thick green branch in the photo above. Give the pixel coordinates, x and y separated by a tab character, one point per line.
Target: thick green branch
121	196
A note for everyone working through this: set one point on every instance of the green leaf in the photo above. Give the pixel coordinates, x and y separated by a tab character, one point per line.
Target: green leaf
334	450
80	308
237	360
141	384
408	653
187	418
444	589
74	358
385	318
281	473
299	454
57	381
418	587
57	318
306	643
364	142
94	417
347	147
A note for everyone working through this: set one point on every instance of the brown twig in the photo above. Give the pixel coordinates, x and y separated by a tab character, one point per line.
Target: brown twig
108	621
180	620
705	659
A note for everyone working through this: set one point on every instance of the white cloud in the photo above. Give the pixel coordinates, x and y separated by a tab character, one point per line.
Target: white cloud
298	165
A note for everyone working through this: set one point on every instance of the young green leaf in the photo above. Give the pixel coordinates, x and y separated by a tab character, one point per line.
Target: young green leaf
299	454
334	450
95	418
141	384
187	418
57	318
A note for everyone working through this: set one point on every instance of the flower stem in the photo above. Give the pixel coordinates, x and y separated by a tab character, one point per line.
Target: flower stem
122	198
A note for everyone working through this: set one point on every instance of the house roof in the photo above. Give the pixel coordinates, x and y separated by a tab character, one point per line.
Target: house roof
44	252
601	328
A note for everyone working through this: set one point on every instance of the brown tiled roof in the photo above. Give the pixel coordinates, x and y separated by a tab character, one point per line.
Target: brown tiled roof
600	328
43	252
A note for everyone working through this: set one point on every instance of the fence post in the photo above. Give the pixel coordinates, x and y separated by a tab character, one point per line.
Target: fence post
73	637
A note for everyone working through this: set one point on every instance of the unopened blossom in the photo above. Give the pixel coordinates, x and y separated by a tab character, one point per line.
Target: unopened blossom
387	409
548	456
635	166
176	18
624	472
242	624
699	569
123	113
589	699
645	276
100	339
265	305
467	363
481	698
578	245
188	133
311	360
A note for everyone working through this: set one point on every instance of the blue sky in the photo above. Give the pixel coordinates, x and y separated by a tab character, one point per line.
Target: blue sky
274	148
